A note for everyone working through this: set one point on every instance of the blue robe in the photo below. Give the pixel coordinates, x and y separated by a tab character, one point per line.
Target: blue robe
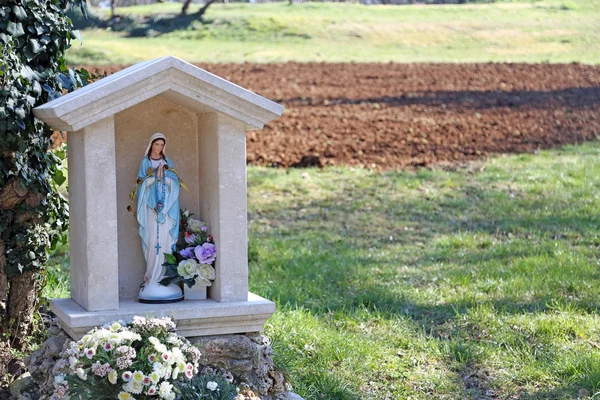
147	201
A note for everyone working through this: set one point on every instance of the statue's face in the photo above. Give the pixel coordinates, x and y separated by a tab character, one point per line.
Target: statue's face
158	146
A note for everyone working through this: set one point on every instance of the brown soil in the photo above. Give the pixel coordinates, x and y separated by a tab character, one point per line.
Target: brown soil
405	115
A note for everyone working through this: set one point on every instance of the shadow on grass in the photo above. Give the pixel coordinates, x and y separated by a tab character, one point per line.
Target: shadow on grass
430	259
138	26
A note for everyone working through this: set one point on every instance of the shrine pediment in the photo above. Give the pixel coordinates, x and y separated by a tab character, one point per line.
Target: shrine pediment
167	77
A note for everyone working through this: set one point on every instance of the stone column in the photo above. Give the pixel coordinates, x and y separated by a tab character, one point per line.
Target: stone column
93	216
222	175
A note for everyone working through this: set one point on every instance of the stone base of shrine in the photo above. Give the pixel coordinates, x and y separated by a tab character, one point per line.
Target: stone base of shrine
193	317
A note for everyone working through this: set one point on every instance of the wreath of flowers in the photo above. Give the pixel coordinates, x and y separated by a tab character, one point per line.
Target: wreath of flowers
120	361
194	259
142	360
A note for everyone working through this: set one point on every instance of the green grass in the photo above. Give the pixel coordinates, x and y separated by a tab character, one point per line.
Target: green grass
540	31
470	284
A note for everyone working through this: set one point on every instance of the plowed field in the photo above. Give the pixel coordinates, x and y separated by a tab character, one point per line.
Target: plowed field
405	115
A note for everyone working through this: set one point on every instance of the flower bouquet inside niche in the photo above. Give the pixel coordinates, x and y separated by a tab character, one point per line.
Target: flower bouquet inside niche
193	261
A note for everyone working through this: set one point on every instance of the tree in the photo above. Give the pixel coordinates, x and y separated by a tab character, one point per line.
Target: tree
200	13
34	35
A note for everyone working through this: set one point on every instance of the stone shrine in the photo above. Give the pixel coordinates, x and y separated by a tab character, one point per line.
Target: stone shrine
109	121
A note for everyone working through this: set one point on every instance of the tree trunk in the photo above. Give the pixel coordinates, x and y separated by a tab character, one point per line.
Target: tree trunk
185	7
113	9
18	295
3	281
22	300
12	194
201	12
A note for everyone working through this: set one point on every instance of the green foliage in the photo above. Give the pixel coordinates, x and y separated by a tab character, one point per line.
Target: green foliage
33	38
433	284
198	388
333	32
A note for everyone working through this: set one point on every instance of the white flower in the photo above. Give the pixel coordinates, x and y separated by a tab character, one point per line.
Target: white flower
133	387
195	225
173	339
212	385
159	369
81	374
154	377
125	396
72	363
115	326
207	272
138	376
153	340
112	377
165	390
175	372
58	379
186	213
187	268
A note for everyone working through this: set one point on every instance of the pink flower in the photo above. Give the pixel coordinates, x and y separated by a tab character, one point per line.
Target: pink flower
108	346
152	358
147	381
126	376
166	357
152	390
189	374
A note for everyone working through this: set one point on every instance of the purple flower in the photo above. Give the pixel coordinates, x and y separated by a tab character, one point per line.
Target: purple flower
204	228
190	238
206	254
188	252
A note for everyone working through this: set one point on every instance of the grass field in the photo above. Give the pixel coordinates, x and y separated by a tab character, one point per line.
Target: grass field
539	31
479	283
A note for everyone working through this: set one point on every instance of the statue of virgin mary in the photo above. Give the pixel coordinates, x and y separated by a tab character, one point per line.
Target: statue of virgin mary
158	217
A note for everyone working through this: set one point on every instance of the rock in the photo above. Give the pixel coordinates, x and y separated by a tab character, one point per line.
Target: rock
292	396
42	361
248	359
16	367
245	360
21	384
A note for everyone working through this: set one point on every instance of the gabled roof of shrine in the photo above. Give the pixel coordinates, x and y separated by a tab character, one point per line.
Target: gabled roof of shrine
168	77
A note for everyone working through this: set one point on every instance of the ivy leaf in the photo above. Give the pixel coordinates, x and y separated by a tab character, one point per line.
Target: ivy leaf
59	178
20	13
39	28
15	29
20	112
36	46
170	259
64	81
37	89
75	34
